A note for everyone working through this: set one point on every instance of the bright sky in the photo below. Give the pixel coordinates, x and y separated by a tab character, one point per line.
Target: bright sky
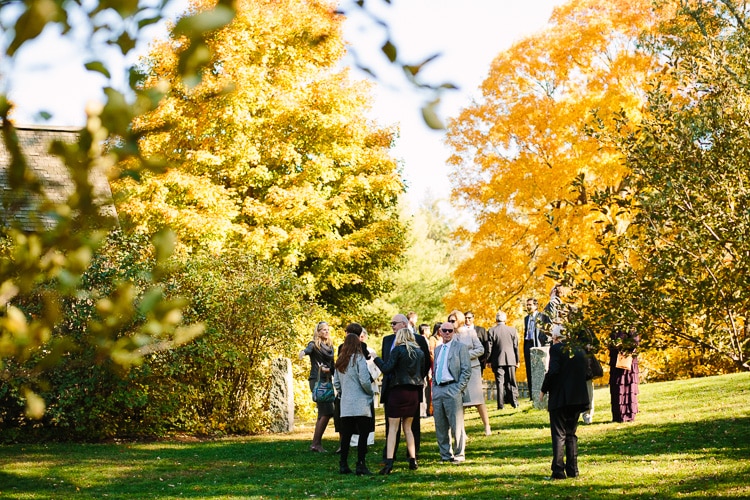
468	34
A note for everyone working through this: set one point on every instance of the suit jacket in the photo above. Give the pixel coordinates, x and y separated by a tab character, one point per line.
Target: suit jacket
458	364
385	354
503	341
484	340
471	341
565	380
541	338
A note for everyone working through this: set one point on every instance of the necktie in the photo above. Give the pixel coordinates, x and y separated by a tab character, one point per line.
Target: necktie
530	328
441	363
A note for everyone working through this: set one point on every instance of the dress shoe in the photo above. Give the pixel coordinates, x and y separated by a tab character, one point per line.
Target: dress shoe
344	469
387	468
554	477
413	464
362	469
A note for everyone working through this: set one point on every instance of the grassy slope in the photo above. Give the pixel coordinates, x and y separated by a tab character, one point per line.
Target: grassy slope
691	440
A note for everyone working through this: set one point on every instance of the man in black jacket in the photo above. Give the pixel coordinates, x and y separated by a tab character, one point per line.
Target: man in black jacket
565	381
503	342
398	322
533	336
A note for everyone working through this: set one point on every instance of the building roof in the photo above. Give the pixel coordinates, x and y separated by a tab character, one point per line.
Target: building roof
24	210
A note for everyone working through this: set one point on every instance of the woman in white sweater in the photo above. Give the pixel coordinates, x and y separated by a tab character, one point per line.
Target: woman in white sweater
354	385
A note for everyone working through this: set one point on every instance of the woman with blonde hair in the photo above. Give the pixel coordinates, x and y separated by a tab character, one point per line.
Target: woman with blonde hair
405	366
320	350
474	395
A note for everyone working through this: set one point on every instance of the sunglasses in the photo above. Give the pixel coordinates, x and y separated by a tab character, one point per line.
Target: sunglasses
394	323
446	330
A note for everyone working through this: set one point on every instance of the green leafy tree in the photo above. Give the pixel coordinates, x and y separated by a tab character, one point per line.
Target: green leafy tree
57	257
424	276
675	249
272	153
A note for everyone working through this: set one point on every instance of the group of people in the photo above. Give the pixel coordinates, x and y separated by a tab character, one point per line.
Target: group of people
440	374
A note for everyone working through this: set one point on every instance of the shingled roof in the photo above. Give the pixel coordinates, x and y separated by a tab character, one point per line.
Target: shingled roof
53	175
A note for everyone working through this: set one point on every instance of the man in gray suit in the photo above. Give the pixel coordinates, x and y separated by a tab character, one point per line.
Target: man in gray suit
504	359
451	374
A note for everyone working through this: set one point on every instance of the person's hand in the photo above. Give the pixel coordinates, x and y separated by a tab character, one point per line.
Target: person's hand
541	395
302	354
325	369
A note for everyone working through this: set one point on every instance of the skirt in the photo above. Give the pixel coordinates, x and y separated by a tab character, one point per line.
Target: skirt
324	409
403	401
474	393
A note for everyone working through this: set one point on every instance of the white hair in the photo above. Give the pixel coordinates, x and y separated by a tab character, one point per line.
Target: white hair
501	317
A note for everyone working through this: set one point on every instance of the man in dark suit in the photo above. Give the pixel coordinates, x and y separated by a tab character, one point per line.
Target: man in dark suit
532	336
565	381
398	322
450	377
481	335
504	359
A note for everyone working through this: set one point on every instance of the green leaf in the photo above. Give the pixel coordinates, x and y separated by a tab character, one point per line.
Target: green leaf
199	24
430	116
97	66
389	50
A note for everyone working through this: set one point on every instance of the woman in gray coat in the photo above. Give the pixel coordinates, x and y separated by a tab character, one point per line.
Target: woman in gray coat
354	385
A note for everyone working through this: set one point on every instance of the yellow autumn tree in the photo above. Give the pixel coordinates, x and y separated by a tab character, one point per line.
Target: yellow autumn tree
523	162
271	152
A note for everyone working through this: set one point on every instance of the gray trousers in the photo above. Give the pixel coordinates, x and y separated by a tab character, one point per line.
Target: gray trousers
448	412
588	415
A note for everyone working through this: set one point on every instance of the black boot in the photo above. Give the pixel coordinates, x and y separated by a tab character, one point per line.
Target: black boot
413	464
362	469
388	467
344	468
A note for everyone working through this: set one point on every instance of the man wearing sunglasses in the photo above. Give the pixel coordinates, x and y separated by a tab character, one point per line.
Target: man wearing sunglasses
398	322
450	376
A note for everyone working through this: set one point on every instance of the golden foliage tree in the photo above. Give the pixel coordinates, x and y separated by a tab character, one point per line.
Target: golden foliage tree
270	152
522	161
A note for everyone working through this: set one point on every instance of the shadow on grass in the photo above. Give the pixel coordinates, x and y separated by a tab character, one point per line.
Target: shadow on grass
497	466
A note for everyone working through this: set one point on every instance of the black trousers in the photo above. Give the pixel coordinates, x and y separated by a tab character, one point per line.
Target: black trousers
563	424
350	426
506	386
527	345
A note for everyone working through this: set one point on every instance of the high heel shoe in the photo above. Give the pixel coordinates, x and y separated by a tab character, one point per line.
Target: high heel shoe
388	467
413	464
317	449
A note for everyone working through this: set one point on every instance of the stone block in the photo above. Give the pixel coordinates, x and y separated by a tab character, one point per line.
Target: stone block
282	396
539	364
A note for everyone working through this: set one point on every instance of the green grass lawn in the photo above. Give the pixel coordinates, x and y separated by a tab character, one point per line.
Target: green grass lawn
691	440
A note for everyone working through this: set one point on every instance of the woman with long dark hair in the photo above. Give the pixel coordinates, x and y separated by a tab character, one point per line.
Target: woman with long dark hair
353	382
320	350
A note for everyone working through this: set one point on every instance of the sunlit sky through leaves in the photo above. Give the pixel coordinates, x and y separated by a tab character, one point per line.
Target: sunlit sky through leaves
48	75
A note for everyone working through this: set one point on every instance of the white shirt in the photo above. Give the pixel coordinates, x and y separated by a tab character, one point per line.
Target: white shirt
442	374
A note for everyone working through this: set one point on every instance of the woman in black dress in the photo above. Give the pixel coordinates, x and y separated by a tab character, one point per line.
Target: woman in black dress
320	350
